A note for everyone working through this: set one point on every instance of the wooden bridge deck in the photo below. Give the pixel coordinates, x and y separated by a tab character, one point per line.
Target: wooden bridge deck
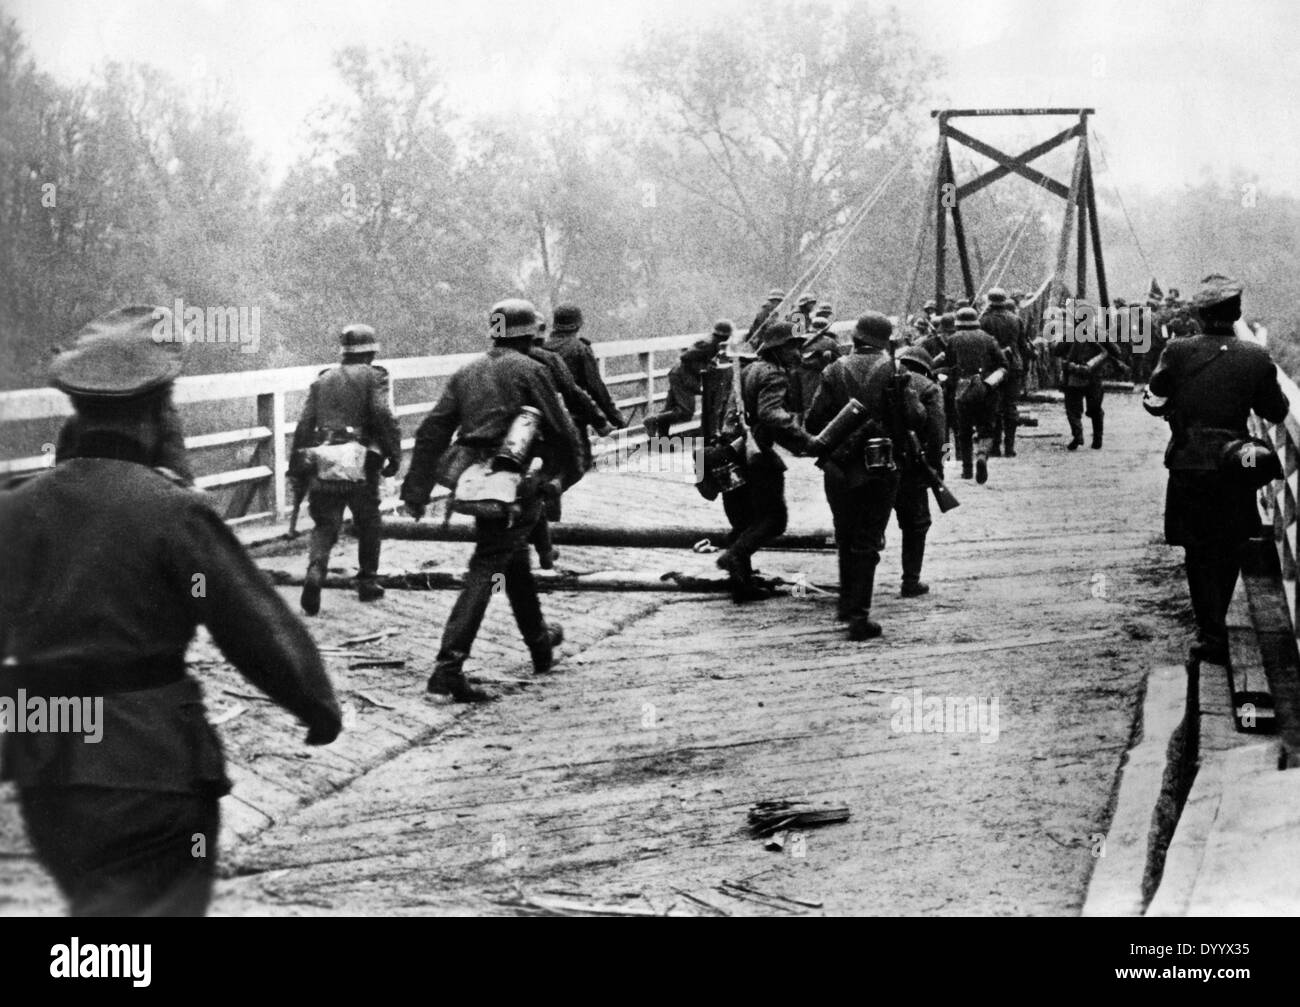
629	770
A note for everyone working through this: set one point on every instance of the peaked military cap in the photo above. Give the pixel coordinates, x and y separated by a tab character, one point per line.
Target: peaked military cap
119	355
1215	289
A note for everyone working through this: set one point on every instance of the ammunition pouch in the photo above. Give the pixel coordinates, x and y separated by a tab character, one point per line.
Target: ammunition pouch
724	470
481	492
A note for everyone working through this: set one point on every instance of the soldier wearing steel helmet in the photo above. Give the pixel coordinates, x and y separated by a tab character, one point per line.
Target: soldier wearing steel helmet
861	498
107	566
774	297
686	379
1001	320
976	367
757	510
346	405
912	505
477	408
1206	386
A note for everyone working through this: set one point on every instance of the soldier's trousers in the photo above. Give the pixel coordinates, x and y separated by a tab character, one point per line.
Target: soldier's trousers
125	852
1212	520
912	509
500	563
326	506
757	510
1005	413
860	514
1081	400
974	424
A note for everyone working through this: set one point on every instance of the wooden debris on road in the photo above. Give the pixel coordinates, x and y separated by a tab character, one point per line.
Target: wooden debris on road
773	895
570	907
767	817
376	661
372	701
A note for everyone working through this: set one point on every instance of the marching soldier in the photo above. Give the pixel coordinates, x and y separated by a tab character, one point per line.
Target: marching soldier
976	368
576	352
912	507
346	439
1001	320
861	498
774	297
757	510
802	316
936	345
1206	387
116	823
1081	371
478	407
686	380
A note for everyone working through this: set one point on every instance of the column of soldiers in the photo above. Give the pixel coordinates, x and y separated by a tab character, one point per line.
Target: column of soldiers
118	507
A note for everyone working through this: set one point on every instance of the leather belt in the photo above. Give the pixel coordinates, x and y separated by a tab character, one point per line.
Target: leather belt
89	679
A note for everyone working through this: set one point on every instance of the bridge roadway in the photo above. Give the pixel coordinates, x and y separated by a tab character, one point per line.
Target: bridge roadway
624	777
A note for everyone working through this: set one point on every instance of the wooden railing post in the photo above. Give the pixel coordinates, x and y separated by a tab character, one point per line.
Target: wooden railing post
272	456
279	454
648	365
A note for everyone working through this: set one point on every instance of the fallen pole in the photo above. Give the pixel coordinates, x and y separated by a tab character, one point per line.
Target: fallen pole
547	580
671	537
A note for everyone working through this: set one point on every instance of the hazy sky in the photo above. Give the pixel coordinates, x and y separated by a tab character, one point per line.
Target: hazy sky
1180	86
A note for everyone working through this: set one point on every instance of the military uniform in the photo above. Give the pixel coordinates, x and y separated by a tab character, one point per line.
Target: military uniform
861	499
478	406
1002	322
757	510
577	355
686	380
107	566
1206	386
912	506
171	454
973	356
347	403
1081	375
755	336
819	352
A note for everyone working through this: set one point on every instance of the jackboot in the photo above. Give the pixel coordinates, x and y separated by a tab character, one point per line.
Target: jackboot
1076	435
311	586
913	557
1010	450
448	679
543	650
1096	433
369	589
982	461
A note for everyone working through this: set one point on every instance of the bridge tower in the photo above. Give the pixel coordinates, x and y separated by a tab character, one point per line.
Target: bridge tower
946	196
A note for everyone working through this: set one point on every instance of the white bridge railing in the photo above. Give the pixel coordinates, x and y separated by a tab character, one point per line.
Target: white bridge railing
1277	500
257	483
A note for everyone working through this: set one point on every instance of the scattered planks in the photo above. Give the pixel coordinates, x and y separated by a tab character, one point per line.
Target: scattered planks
545	906
768	817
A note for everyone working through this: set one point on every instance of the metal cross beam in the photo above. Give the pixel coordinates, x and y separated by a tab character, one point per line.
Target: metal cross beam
1080	199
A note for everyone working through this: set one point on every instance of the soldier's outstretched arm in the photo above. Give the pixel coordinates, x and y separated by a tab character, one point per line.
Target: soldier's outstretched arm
596	385
557	424
771	412
431	441
249	621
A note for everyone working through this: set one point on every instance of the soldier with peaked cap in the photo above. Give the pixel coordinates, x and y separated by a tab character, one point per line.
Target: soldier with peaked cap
107	566
757	510
1206	386
976	367
346	411
912	505
774	297
861	498
686	380
478	407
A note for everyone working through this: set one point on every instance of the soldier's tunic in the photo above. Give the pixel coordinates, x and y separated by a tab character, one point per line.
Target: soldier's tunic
171	454
578	356
819	352
349	402
1003	324
106	568
972	354
481	401
860	501
685	382
1213	382
755	335
757	510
